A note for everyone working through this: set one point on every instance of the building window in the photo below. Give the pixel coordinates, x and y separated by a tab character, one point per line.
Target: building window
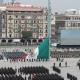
16	21
75	18
37	21
23	26
73	25
16	25
16	35
40	26
67	18
16	16
22	11
68	24
46	26
34	21
74	12
10	31
79	18
3	16
22	16
35	35
78	24
3	30
40	31
10	18
40	21
46	17
10	35
40	34
46	31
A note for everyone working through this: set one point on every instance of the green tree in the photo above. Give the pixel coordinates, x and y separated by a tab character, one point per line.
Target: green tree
26	34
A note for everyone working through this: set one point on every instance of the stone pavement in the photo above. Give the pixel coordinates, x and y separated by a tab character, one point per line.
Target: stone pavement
71	63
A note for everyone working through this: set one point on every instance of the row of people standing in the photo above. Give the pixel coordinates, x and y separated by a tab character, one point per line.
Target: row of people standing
47	77
8	71
11	77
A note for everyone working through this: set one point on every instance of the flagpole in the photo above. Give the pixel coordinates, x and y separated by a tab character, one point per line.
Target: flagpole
49	25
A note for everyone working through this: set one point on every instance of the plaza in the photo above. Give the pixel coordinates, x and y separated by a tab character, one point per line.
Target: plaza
71	68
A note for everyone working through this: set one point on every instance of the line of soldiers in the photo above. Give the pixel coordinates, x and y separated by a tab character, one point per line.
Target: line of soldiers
56	69
14	55
8	71
11	77
32	70
71	77
47	77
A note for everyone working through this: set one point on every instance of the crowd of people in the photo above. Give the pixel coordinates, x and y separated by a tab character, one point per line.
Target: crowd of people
16	53
9	74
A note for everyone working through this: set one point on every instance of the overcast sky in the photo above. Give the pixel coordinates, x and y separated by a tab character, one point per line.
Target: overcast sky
57	5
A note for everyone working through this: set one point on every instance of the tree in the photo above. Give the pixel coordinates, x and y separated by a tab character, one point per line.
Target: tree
26	34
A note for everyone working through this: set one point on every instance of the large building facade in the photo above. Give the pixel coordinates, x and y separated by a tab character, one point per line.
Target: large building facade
15	18
70	19
67	30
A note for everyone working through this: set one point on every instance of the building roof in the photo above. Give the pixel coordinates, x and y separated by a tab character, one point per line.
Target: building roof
20	7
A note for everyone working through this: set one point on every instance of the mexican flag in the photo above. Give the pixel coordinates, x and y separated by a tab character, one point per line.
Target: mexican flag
41	52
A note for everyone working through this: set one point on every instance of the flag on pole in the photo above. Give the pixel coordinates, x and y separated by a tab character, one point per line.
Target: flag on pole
41	52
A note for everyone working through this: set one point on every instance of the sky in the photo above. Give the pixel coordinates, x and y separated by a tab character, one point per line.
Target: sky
56	5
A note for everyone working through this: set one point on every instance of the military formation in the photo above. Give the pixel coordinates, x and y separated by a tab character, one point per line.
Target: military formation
47	77
11	77
33	70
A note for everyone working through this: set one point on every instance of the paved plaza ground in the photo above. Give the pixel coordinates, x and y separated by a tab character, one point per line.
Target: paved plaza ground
71	68
21	48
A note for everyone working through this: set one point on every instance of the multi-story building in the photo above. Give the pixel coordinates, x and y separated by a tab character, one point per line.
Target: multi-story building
68	20
17	17
67	30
